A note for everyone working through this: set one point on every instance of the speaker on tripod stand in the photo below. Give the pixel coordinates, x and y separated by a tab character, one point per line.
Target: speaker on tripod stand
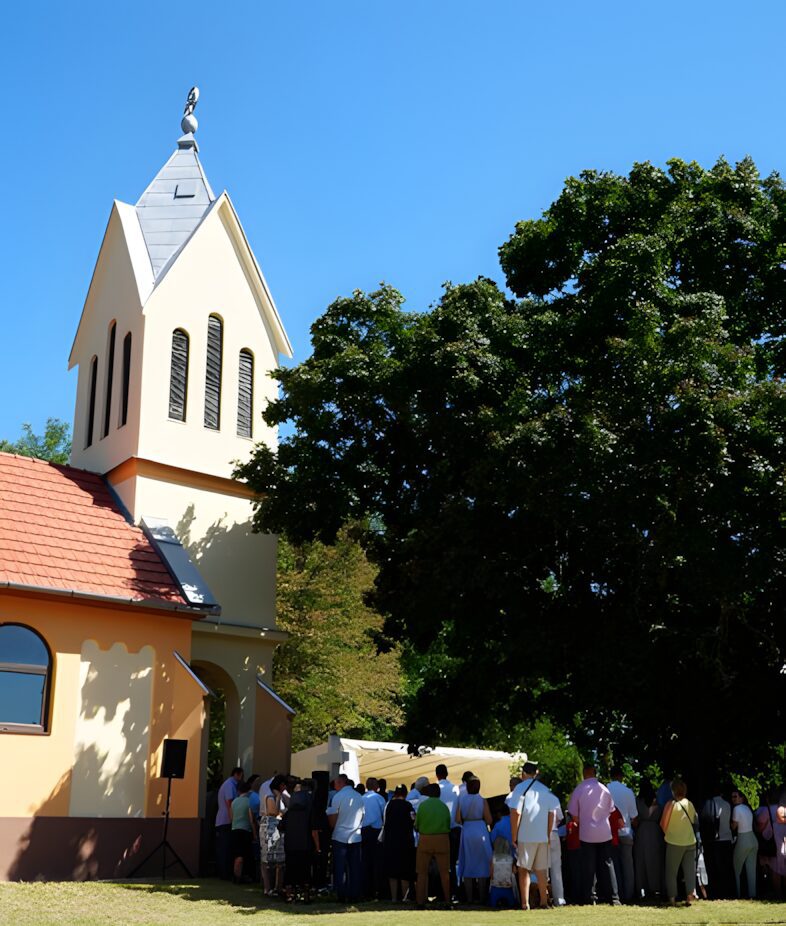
173	765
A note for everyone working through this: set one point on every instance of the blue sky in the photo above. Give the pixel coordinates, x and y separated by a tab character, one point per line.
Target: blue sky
360	141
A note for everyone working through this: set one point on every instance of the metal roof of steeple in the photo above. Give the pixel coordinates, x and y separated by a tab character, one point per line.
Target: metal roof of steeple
176	201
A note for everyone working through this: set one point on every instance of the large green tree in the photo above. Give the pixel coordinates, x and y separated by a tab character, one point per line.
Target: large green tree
338	670
577	494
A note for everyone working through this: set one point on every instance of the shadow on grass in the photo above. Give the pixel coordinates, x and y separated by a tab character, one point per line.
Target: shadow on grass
246	899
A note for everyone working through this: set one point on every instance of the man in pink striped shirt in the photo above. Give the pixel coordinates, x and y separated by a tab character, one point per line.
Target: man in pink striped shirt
590	806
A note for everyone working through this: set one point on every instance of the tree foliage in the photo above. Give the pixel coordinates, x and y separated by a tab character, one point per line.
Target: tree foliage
576	496
337	669
54	445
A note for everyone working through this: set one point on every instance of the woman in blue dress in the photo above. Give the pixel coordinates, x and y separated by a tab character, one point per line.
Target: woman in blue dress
474	861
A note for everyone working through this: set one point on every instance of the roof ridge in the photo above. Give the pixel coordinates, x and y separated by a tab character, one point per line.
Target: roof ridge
23	457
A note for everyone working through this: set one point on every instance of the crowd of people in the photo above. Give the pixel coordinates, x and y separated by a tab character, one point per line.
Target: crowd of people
446	840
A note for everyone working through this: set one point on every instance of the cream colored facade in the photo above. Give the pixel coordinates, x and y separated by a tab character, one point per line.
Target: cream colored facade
114	697
180	471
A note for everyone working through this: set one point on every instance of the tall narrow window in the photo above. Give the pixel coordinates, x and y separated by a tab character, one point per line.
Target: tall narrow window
178	378
126	378
110	370
215	333
245	393
91	402
24	680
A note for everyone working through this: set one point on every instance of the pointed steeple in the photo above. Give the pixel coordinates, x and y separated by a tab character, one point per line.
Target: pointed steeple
176	201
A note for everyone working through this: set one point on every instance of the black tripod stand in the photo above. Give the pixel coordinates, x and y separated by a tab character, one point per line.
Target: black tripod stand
164	844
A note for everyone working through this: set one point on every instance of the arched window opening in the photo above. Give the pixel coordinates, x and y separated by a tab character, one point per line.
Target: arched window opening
91	402
215	335
25	666
126	378
245	394
110	370
178	377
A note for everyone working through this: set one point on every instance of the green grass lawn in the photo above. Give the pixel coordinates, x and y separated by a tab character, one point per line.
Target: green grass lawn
215	903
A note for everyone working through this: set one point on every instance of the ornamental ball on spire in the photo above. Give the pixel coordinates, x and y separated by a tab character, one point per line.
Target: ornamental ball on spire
189	121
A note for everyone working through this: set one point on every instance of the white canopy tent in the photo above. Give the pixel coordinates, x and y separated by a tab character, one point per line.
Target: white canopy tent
362	759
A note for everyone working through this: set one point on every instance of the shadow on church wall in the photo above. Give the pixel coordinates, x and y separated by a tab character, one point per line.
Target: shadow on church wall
104	793
238	565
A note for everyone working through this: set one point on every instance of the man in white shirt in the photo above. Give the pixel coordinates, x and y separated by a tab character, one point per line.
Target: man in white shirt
531	822
373	818
449	795
625	802
345	818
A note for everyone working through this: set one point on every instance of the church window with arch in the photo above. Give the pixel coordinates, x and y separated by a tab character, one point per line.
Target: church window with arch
91	401
126	378
110	370
25	669
215	338
245	394
178	378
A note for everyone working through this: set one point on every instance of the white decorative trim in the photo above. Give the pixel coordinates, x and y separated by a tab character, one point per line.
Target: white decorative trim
194	676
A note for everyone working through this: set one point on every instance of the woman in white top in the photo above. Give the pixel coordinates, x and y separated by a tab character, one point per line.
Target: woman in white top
746	846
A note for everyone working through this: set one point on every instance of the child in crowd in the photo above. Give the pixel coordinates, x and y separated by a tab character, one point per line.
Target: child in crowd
701	871
502	877
572	847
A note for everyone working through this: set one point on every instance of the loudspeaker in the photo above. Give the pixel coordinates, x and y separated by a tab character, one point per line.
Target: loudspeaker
173	759
321	788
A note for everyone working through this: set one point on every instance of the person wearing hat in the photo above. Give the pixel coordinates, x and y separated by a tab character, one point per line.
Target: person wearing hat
533	809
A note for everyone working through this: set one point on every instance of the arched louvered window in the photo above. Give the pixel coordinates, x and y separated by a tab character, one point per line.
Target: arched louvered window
215	337
245	394
25	669
110	370
126	378
91	401
178	377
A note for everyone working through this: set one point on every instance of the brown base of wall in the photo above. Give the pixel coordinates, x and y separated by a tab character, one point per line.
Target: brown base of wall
85	849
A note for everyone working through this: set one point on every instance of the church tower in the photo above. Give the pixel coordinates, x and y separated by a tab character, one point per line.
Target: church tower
178	333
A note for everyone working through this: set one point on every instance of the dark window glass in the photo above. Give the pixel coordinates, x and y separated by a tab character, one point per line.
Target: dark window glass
245	394
22	646
213	374
24	674
126	377
178	378
91	408
21	698
109	375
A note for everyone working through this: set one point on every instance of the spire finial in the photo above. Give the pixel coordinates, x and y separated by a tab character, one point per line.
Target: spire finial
189	122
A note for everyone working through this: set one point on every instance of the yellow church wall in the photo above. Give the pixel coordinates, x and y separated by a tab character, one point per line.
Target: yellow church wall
207	278
116	691
113	296
238	565
111	743
273	736
242	656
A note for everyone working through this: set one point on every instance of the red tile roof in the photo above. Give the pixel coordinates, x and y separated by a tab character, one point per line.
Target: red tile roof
60	528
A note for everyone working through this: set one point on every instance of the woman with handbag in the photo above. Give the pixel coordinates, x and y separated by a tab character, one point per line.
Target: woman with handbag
678	824
771	826
271	841
765	833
